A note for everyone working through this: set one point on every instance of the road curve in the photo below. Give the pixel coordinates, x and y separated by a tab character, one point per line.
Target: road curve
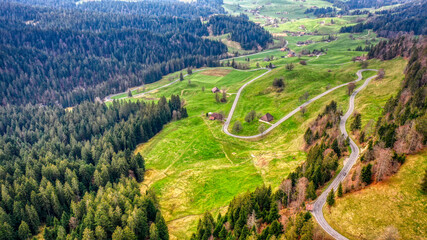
236	100
321	200
351	160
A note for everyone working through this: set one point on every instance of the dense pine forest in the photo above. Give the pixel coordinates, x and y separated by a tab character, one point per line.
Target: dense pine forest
69	55
354	4
46	63
75	172
407	18
247	33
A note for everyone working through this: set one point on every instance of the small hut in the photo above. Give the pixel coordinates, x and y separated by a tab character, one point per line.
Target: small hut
215	90
267	117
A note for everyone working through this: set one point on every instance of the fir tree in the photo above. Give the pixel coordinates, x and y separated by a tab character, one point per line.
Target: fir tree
367	174
331	198
340	192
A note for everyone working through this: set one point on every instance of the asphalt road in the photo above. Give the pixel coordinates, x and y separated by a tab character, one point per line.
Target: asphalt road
350	161
236	100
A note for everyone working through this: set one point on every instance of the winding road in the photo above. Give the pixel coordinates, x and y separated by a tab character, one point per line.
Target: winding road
351	160
321	200
236	100
348	163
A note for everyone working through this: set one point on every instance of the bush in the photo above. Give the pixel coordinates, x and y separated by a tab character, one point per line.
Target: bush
279	83
237	127
250	116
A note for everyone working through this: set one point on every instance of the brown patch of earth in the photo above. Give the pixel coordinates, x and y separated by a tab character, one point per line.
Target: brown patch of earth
216	72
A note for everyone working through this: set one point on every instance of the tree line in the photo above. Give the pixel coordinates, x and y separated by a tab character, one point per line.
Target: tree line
74	171
407	18
199	8
67	66
249	34
354	4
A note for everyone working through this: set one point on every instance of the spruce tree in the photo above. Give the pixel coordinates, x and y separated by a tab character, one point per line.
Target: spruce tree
162	229
24	231
331	198
181	77
311	191
340	190
367	174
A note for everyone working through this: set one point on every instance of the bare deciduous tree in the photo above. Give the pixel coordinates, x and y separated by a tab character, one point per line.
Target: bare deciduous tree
286	186
251	220
384	162
380	74
301	190
408	140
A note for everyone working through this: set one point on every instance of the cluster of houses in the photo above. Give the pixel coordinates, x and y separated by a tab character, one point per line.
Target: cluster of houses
297	34
303	43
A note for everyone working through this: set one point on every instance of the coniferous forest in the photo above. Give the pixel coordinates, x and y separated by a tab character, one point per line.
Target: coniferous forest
407	18
75	171
55	56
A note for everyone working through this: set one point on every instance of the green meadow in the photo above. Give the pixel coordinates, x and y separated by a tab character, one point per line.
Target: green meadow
273	8
396	203
194	167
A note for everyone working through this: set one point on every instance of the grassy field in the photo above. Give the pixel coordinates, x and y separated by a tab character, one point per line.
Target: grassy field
194	167
273	8
338	50
319	25
396	202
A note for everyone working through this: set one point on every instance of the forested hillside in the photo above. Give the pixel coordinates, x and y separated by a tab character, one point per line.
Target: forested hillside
196	9
408	18
402	127
247	33
48	64
354	4
66	56
74	171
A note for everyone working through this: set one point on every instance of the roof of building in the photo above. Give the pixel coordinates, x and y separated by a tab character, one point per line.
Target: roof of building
267	117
